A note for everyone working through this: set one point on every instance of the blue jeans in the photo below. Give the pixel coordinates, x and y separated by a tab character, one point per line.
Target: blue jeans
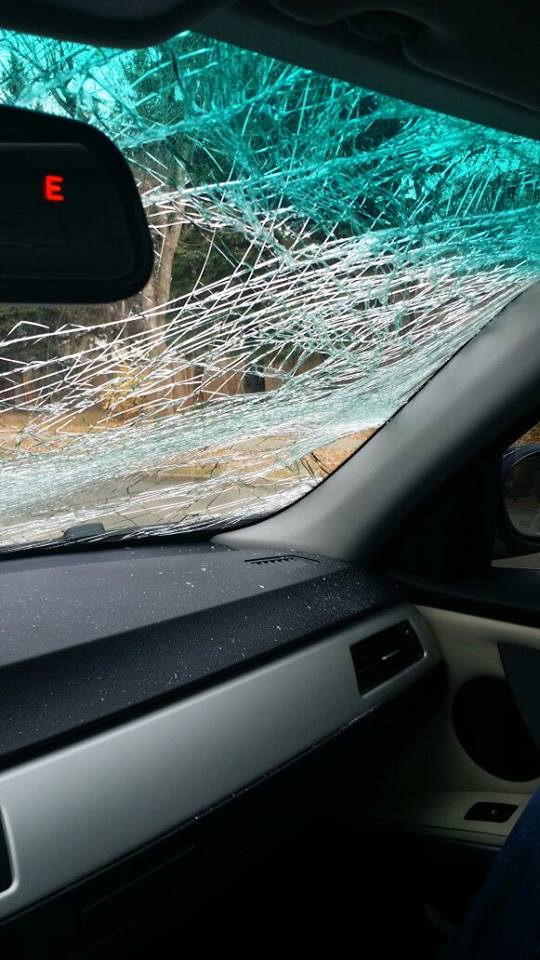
504	920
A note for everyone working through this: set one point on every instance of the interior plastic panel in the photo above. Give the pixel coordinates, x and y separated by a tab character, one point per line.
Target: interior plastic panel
522	668
444	814
320	787
498	594
148	776
445	777
491	730
88	638
6	874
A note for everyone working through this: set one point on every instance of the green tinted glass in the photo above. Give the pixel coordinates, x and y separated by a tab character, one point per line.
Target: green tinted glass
321	250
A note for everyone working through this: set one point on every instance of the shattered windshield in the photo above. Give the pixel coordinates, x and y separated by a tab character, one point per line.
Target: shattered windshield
321	250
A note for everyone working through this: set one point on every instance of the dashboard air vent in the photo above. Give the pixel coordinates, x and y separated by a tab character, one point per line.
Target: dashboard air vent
259	561
6	878
382	656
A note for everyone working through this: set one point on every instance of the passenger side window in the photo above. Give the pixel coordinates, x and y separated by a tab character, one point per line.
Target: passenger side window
520	514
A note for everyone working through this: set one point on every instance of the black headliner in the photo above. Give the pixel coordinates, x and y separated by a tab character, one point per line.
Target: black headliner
462	56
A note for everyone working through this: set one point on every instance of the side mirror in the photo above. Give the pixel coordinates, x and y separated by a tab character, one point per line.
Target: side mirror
521	491
72	226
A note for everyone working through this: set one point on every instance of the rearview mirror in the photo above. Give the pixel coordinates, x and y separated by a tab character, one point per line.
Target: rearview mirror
72	226
521	490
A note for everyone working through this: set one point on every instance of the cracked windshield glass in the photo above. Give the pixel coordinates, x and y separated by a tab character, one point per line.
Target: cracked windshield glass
321	250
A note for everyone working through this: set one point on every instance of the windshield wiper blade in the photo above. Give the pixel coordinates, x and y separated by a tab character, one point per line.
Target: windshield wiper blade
81	531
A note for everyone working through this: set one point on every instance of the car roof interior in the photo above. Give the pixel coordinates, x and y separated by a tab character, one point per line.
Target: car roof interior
459	57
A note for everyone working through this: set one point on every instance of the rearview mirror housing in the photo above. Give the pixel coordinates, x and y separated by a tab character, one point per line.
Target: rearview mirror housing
72	225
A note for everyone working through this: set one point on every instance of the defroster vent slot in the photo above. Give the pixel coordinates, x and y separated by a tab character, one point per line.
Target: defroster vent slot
382	656
285	558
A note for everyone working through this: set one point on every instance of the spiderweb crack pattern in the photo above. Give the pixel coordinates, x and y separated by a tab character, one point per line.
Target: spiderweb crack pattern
321	251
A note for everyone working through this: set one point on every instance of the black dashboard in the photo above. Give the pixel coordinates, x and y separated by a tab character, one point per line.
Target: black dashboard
87	638
144	687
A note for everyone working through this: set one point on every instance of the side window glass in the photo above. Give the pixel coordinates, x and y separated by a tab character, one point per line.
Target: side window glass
520	521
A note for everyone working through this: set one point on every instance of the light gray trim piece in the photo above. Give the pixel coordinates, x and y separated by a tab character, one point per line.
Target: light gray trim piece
82	807
482	391
442	814
434	763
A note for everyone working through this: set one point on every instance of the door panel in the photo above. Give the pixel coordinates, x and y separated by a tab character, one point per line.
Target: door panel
479	753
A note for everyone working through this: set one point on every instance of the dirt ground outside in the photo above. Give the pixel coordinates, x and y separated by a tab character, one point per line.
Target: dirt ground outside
179	490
